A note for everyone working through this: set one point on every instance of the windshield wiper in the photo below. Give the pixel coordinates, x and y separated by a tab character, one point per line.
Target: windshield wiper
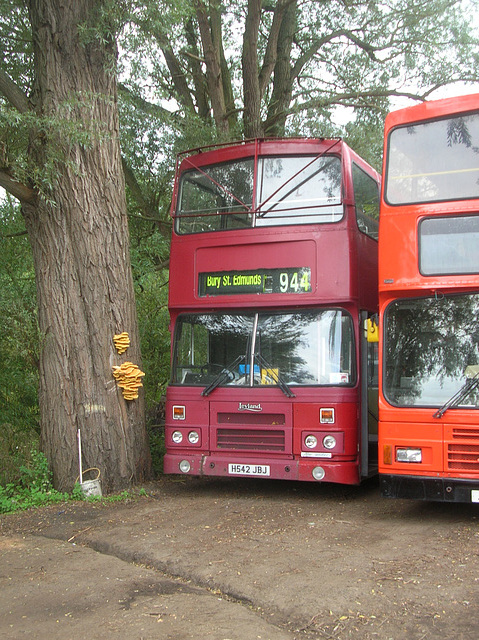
225	375
275	376
459	396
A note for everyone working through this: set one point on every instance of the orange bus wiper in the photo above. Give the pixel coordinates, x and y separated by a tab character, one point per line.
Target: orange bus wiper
458	397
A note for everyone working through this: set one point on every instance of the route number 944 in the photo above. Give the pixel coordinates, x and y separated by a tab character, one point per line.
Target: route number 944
297	281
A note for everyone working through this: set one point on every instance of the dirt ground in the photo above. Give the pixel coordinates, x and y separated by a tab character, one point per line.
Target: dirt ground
229	559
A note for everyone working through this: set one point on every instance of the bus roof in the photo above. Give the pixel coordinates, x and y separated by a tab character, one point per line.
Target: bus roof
217	153
431	109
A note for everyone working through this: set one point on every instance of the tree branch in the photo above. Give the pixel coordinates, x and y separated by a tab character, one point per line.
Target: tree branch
145	105
17	189
195	66
147	212
249	61
13	93
13	235
271	47
213	67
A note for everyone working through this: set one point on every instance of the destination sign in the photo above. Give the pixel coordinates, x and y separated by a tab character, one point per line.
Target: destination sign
221	283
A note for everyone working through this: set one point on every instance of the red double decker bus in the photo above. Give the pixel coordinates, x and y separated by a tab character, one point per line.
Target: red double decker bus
429	303
272	277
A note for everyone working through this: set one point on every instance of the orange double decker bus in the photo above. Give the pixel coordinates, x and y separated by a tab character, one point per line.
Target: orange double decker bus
429	302
273	273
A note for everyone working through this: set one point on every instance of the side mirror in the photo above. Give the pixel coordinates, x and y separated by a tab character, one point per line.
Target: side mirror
372	329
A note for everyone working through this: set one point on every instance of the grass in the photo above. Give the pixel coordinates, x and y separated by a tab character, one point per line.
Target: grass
34	489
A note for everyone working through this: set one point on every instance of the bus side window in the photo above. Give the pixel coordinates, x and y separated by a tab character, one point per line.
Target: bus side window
366	196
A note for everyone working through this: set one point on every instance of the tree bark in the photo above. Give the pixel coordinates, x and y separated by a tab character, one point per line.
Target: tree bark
270	55
283	79
200	88
213	68
226	78
253	126
80	243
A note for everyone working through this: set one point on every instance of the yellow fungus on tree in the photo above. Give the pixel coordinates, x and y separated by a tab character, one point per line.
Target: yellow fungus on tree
122	342
128	378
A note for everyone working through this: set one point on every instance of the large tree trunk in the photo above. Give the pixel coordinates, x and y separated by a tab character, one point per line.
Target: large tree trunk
79	237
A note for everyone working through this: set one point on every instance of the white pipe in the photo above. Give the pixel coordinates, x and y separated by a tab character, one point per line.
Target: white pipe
79	456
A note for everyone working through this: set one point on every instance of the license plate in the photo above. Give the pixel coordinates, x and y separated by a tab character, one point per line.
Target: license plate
475	495
237	469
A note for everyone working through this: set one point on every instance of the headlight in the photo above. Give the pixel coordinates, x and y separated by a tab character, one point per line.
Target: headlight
185	466
318	473
311	441
329	442
177	437
193	437
408	455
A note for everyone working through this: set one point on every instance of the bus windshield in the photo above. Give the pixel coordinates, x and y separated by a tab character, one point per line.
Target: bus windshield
259	349
433	161
431	345
290	190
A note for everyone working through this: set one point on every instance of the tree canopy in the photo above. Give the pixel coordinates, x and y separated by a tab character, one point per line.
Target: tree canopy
193	73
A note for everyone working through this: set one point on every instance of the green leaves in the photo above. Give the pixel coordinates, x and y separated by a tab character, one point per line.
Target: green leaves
33	488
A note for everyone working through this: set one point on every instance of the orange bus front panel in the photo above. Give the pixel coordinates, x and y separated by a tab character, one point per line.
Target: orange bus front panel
396	438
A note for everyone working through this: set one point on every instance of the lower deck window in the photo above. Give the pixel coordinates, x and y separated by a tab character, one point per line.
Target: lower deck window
431	350
256	349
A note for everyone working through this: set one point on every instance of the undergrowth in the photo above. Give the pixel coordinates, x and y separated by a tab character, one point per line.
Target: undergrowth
35	489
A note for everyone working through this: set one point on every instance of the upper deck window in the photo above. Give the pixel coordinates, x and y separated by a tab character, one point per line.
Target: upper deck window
216	197
366	197
290	190
299	190
448	245
434	161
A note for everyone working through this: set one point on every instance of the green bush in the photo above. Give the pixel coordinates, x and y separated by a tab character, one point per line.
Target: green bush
34	488
16	444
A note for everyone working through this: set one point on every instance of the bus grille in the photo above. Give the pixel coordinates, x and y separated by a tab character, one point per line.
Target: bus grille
251	439
466	433
463	457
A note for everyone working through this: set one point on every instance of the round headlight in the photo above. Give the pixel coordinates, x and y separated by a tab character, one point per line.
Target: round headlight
318	473
193	437
185	466
329	442
311	441
177	437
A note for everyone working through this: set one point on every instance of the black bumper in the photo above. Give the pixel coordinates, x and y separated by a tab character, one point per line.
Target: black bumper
433	489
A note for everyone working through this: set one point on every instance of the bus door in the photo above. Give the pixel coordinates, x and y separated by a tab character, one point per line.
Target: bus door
369	350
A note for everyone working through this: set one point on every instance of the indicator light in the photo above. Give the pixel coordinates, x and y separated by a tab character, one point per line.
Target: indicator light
387	454
326	416
178	412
